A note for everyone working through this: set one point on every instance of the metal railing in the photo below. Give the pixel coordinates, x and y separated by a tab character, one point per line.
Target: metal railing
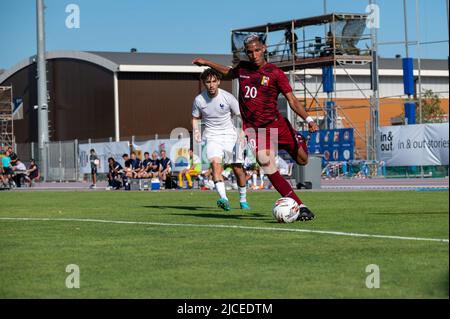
62	159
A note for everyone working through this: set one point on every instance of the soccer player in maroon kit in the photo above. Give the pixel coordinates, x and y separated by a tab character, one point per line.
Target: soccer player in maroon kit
260	83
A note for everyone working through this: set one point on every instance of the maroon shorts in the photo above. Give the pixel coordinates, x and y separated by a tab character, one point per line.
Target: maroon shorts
278	135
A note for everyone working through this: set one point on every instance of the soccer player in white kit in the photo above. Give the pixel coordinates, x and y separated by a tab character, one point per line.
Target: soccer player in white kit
215	107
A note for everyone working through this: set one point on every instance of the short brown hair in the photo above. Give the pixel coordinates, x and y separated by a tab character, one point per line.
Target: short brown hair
210	73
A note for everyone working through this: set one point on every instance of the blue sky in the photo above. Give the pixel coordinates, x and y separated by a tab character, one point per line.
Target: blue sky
200	26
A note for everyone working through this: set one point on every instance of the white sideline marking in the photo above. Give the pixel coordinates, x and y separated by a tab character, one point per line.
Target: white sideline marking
224	226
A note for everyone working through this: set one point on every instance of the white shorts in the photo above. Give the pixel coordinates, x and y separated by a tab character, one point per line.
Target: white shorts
227	150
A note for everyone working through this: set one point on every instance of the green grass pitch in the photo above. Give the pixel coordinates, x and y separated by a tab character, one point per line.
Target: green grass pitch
175	261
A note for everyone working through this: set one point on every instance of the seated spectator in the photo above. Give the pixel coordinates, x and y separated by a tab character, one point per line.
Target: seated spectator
115	171
155	166
165	166
7	169
20	172
194	169
131	170
32	173
12	155
126	161
136	164
145	166
127	170
1	168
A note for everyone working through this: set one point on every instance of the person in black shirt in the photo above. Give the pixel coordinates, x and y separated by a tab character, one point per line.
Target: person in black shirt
145	166
115	171
135	165
12	156
126	161
127	165
291	40
165	166
155	166
33	173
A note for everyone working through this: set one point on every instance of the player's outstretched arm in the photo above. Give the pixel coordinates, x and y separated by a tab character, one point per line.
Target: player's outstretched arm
300	110
225	70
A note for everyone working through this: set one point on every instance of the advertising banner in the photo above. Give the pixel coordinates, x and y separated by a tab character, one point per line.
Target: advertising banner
335	145
103	151
410	145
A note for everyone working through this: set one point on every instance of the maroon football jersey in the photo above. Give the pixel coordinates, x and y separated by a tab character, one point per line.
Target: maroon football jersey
258	92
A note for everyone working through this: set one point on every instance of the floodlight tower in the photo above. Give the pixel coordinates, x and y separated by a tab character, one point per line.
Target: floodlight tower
42	89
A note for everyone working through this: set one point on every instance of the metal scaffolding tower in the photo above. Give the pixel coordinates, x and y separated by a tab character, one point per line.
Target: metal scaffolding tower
6	116
303	47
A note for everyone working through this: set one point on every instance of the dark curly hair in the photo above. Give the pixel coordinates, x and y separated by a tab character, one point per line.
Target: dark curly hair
210	73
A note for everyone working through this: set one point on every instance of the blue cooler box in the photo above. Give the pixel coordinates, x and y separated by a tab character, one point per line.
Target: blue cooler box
156	184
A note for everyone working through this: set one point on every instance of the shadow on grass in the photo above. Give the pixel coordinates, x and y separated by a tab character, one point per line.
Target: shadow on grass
196	208
210	212
223	215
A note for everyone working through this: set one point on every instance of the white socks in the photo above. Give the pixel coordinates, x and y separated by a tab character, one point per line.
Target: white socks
220	187
242	194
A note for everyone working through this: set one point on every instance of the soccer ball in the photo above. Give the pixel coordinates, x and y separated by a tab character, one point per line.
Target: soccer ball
285	210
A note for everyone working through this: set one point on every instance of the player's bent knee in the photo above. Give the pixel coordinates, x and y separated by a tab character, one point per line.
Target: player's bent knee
301	161
263	159
302	157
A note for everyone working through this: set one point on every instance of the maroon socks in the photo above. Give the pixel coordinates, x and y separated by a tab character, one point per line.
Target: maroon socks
283	187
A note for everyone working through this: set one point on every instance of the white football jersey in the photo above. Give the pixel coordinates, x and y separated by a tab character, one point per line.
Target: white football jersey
216	113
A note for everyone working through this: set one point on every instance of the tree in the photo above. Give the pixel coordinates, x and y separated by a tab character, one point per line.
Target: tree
431	108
